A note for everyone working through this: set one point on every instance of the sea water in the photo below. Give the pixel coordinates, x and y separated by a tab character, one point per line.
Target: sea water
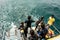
16	11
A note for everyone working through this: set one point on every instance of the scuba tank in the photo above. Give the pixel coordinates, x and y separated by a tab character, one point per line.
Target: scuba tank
21	30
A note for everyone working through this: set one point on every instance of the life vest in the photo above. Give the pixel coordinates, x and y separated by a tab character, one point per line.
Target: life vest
51	20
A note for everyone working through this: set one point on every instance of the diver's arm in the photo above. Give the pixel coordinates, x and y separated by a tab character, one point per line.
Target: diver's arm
32	21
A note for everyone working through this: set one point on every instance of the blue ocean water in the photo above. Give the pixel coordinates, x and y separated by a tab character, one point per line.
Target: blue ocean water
16	11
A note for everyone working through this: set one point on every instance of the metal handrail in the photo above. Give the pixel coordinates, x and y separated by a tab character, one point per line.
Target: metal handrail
56	29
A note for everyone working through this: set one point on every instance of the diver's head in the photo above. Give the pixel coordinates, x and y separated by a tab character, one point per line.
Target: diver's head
42	17
52	16
29	17
22	23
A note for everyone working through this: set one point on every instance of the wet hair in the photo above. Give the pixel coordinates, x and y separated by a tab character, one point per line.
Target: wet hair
22	22
52	15
42	17
32	32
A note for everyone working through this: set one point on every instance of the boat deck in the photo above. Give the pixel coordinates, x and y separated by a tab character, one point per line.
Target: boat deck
18	37
55	38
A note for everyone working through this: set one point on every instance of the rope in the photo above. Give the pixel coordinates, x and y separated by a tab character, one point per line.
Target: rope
56	29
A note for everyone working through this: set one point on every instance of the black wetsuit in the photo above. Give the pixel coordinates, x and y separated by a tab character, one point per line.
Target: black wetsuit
37	23
28	22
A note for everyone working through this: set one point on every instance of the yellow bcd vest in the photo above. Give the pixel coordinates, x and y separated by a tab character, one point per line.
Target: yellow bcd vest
51	20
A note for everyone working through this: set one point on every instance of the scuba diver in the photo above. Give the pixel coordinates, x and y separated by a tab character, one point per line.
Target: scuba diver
41	19
28	24
50	23
43	32
33	36
51	20
21	28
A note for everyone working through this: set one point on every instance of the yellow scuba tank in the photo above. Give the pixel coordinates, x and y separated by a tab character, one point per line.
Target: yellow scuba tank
22	30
